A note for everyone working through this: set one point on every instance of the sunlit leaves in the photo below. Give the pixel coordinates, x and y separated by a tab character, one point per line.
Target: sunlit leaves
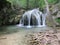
32	3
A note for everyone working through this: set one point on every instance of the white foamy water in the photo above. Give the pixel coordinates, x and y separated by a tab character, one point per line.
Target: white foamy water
40	18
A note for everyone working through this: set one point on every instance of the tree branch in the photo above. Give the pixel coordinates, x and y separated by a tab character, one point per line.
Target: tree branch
47	7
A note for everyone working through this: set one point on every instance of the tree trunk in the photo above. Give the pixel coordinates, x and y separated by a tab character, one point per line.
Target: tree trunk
36	3
27	4
50	16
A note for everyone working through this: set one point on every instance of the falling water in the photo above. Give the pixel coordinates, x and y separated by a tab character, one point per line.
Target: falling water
38	17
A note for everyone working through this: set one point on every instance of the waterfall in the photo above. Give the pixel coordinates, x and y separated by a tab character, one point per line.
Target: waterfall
33	18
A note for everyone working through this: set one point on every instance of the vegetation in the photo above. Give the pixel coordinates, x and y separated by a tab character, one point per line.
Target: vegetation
9	9
58	20
31	3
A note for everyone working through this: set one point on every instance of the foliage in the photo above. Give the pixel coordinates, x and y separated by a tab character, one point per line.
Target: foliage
7	13
6	16
32	3
19	3
58	20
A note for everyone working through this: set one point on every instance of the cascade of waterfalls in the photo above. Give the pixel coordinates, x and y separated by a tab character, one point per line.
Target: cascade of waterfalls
33	18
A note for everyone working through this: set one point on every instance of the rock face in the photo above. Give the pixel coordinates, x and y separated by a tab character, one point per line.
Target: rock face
58	14
56	18
43	38
55	8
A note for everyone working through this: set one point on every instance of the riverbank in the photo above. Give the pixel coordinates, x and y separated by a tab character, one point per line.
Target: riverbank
23	36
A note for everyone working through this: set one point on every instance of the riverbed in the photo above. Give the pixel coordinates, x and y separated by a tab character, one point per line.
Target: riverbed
13	35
